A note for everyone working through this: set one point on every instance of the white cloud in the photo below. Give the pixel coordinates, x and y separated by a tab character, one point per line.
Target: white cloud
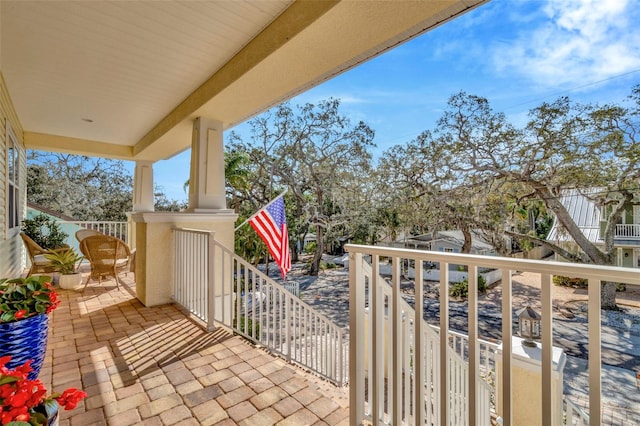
576	42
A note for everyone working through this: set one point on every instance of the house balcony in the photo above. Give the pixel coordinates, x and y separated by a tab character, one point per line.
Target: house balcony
629	232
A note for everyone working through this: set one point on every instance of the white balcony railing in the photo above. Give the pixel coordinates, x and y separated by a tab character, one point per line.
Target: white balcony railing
218	287
628	232
384	388
113	228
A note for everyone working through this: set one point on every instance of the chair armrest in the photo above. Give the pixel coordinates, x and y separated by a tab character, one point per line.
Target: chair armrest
59	249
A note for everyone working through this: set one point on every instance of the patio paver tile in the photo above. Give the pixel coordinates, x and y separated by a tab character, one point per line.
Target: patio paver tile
236	396
261	384
241	411
153	366
188	387
209	413
126	418
307	395
287	406
133	401
160	391
322	407
231	383
127	391
299	418
268	416
207	394
159	405
175	415
268	398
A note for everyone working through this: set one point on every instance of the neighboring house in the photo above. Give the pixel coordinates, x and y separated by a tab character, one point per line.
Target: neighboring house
448	242
591	219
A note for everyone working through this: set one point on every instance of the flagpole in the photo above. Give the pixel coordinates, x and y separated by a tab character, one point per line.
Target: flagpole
262	208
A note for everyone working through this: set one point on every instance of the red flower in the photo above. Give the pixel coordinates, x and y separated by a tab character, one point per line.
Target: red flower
53	298
20	314
70	398
19	396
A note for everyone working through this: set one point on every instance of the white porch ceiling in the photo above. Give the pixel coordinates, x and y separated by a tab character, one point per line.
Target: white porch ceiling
143	70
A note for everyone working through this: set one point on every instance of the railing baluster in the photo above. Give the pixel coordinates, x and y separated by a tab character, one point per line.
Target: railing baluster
595	356
396	324
445	379
473	343
418	354
356	357
507	330
547	349
377	344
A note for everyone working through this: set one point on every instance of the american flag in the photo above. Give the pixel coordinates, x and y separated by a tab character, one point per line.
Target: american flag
271	225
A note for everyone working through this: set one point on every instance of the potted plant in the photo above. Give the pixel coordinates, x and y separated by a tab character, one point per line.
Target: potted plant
65	261
24	305
24	402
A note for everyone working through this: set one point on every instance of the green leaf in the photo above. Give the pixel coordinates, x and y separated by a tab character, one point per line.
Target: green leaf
6	317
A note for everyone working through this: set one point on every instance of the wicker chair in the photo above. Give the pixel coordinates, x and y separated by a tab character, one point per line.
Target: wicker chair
84	233
39	263
108	256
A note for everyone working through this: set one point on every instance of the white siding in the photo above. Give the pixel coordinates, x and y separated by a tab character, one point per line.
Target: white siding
12	256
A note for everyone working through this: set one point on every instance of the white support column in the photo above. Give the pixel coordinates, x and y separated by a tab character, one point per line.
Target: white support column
206	182
143	187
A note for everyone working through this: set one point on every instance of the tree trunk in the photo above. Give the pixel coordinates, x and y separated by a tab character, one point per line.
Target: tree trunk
608	295
295	255
317	256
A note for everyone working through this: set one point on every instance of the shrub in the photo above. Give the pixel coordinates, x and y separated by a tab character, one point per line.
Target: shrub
461	288
326	265
45	231
569	282
310	248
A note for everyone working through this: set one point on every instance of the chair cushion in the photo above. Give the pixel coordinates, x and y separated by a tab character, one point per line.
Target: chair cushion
40	260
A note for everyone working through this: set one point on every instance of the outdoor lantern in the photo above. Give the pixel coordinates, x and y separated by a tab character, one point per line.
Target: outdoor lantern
528	325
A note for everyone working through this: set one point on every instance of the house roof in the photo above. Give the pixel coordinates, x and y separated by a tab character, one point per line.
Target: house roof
455	237
583	211
126	79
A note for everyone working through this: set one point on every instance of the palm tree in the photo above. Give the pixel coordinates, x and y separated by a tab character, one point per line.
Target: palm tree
235	174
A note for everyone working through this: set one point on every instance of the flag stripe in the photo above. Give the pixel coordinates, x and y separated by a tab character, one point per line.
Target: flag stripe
270	224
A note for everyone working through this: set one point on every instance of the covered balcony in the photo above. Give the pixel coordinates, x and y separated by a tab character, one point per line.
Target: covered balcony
142	82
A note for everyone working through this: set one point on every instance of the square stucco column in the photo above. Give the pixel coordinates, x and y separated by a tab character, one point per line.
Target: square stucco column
526	385
142	196
155	247
206	180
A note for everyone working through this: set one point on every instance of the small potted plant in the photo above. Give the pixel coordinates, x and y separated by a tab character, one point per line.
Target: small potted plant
65	261
24	402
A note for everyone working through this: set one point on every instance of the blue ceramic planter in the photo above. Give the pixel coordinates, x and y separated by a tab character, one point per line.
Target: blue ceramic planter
25	340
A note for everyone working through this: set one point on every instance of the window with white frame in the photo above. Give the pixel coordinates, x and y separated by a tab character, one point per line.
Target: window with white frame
13	181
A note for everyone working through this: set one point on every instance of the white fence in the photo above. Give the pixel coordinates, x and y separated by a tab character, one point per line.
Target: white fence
217	286
381	389
391	365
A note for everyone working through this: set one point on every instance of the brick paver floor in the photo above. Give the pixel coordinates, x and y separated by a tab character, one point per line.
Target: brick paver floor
154	366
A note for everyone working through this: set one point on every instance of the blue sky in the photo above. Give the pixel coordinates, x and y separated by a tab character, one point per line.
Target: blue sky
515	53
